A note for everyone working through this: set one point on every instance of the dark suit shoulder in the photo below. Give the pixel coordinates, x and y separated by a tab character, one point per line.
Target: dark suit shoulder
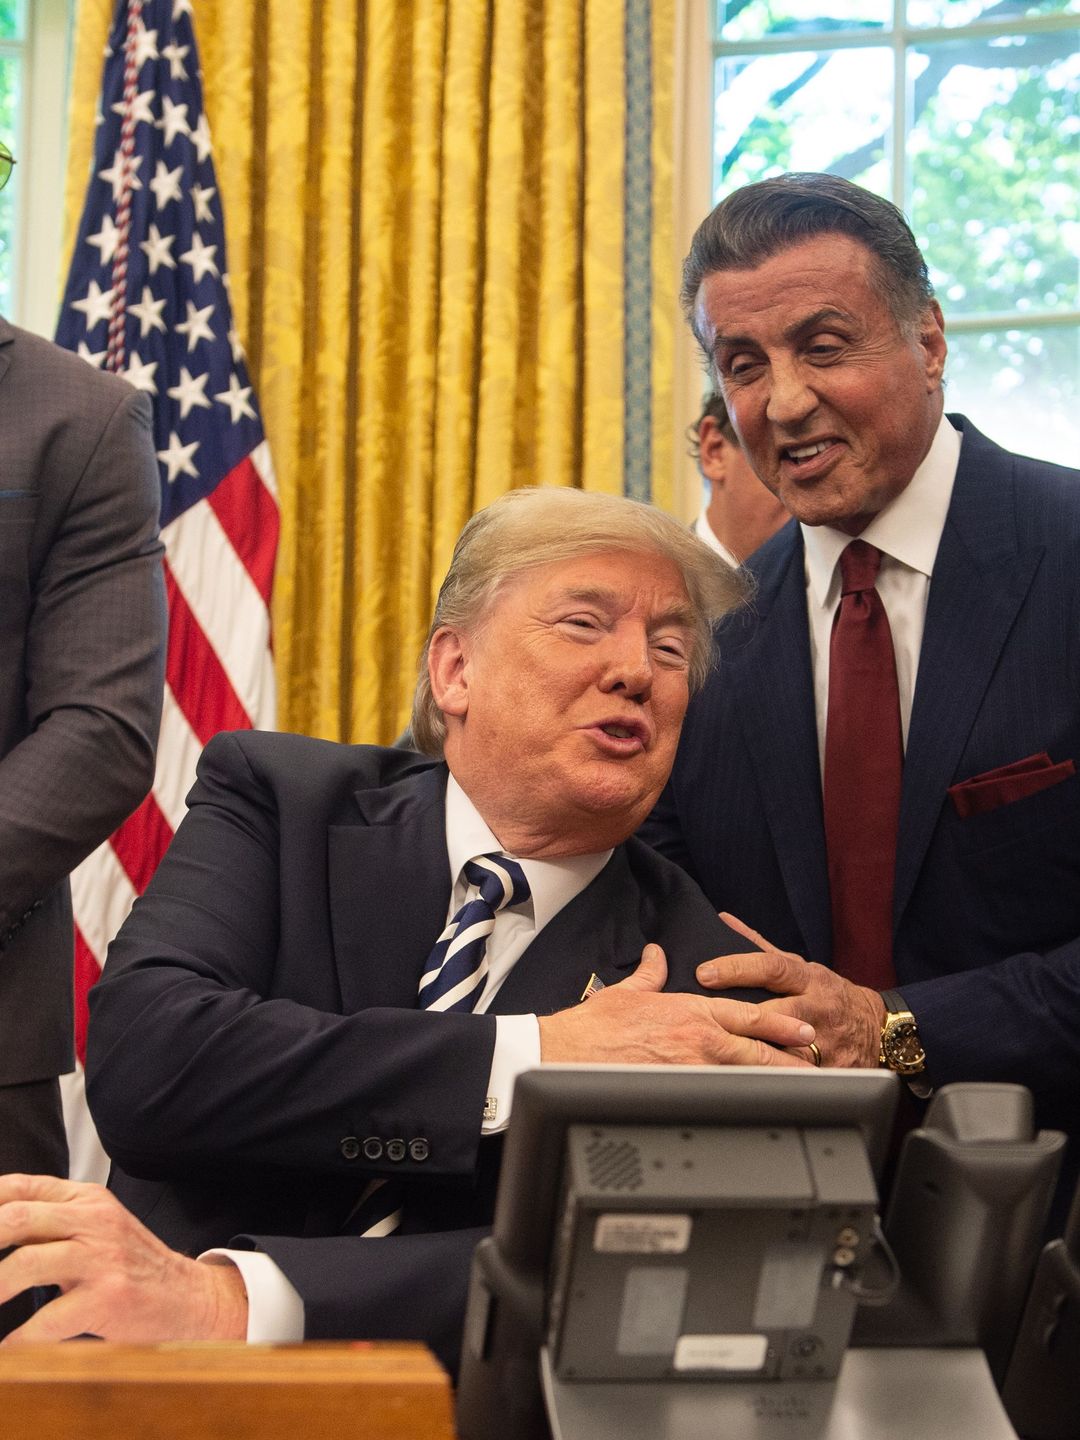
674	911
318	776
981	447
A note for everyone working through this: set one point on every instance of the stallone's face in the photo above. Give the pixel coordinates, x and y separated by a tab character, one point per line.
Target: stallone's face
834	405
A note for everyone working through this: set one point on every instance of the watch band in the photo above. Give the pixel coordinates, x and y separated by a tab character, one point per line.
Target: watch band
918	1082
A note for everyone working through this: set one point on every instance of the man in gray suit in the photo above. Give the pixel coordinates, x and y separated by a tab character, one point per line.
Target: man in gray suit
82	629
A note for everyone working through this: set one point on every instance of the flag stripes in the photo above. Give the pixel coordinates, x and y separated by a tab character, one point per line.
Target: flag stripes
147	296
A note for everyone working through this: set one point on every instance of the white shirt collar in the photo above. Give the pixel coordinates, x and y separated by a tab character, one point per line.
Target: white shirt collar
553	883
704	531
909	528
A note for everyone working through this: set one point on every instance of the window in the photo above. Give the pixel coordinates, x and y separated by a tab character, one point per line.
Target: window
12	61
34	39
965	113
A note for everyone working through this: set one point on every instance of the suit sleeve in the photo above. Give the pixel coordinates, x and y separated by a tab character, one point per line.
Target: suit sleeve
406	1287
1013	1021
94	661
247	1057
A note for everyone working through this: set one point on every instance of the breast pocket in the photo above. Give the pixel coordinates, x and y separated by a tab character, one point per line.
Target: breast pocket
1022	862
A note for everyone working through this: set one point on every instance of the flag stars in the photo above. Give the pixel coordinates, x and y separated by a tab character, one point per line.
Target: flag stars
177	458
173	120
158	249
201	258
189	391
107	238
236	398
145	45
180	7
195	327
201	195
175	55
92	357
96	305
140	373
148	313
141	108
166	184
200	137
123	175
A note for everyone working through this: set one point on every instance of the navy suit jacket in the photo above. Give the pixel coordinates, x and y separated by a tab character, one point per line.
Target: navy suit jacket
987	908
257	1017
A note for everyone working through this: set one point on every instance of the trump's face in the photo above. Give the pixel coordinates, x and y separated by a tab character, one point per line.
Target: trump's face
833	404
564	704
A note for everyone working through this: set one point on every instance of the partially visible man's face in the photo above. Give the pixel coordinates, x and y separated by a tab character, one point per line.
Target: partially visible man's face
834	406
742	512
568	700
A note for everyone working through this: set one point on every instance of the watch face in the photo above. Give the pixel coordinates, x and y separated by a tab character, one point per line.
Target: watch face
903	1049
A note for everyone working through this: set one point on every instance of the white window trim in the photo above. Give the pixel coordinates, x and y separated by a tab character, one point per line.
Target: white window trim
901	38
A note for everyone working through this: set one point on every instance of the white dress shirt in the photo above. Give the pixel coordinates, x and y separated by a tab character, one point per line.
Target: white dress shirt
907	532
704	531
275	1308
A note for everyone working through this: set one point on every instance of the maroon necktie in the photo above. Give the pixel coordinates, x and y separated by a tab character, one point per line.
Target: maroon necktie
863	762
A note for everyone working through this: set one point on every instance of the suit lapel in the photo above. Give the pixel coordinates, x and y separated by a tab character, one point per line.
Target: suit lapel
389	890
597	933
772	686
979	584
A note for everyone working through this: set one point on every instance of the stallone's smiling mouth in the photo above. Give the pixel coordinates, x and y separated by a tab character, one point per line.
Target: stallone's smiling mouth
801	453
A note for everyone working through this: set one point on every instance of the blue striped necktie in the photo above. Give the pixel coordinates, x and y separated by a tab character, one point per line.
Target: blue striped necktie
453	979
456	971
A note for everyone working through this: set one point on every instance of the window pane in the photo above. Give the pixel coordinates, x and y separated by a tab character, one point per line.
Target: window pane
12	19
827	110
1022	387
993	155
9	112
751	19
967	12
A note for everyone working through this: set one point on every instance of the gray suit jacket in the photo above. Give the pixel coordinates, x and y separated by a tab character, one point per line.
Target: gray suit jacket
82	628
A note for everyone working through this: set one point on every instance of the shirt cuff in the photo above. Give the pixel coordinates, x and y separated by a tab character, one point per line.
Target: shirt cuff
275	1309
517	1048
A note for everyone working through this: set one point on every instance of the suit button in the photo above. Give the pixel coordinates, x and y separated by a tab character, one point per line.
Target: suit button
395	1149
419	1149
349	1147
373	1148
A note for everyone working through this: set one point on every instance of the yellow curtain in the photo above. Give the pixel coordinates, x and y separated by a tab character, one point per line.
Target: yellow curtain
424	202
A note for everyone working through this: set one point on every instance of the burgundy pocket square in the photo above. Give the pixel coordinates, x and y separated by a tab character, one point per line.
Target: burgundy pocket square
1007	783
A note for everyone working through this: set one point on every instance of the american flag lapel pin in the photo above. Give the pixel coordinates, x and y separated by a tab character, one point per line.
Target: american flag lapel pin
594	986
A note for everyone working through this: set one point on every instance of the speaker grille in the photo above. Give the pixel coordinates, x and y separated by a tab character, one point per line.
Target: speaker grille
614	1165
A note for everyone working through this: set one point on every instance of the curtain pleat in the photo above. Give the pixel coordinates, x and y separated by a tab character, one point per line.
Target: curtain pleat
424	204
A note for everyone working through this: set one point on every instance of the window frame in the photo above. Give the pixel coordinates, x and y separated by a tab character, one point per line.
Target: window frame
901	37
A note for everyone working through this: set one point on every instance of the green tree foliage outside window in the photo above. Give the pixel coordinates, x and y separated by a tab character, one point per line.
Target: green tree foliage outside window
990	163
11	33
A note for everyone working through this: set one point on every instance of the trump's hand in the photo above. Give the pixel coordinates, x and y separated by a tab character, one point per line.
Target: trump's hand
846	1017
634	1023
118	1281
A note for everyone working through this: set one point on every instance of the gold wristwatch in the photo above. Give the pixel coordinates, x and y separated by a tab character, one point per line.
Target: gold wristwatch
901	1048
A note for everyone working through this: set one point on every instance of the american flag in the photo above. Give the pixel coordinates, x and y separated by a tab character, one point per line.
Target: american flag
148	297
